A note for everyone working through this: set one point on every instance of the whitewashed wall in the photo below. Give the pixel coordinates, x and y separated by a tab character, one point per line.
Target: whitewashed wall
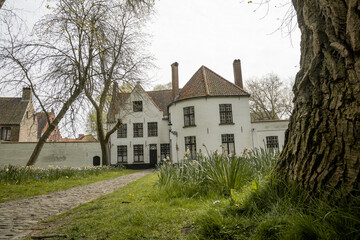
28	125
262	129
208	129
70	154
150	113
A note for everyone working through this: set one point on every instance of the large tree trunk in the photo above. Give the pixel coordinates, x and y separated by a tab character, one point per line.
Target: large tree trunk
322	146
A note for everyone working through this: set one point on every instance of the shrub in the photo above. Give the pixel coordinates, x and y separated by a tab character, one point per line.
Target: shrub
216	174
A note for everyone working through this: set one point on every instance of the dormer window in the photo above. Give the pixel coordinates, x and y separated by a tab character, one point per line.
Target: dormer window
137	106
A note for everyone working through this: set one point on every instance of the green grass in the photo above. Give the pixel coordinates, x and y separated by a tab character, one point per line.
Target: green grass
19	182
136	211
275	210
185	202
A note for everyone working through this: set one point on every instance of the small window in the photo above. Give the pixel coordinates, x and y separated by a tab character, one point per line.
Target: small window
122	131
5	133
122	154
228	143
190	146
225	113
189	116
138	153
165	151
272	142
152	129
138	130
137	106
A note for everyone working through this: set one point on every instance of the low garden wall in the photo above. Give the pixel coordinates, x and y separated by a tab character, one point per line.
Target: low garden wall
70	154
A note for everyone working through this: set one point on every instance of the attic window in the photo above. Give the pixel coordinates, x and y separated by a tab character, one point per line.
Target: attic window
5	133
137	106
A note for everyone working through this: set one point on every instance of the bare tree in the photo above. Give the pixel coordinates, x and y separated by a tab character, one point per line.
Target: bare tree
119	59
55	63
58	60
270	98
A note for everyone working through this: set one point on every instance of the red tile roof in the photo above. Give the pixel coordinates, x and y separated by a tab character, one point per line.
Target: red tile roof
12	110
162	98
205	82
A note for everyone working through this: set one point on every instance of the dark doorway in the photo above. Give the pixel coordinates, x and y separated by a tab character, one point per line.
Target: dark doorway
96	161
153	155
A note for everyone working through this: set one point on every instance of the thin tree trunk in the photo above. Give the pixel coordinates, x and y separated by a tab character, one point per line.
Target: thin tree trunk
36	152
2	3
322	145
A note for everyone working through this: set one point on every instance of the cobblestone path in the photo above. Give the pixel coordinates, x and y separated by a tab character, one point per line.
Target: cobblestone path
17	217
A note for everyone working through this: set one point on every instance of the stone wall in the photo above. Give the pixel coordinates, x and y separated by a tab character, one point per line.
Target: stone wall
71	154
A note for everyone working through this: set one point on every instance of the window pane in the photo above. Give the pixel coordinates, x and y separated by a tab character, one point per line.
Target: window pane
138	130
137	106
122	131
122	153
272	142
189	116
152	129
225	113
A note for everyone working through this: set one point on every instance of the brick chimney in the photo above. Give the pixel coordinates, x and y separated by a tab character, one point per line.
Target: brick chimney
237	73
27	94
175	79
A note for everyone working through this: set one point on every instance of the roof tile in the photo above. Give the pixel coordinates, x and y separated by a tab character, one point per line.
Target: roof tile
12	110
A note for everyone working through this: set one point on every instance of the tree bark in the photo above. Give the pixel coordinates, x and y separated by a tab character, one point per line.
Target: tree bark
322	144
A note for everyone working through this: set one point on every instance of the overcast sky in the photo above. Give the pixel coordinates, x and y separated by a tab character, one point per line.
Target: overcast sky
215	32
212	33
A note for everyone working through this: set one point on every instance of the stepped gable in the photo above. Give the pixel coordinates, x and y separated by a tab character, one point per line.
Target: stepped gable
205	82
12	110
162	99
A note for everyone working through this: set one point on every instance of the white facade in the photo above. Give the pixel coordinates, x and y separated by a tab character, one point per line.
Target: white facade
150	114
262	131
208	114
208	129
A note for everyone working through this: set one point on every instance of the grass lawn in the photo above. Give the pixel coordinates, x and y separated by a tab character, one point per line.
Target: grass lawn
136	211
14	191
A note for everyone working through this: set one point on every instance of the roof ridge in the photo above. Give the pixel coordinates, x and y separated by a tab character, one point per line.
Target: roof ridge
159	90
205	80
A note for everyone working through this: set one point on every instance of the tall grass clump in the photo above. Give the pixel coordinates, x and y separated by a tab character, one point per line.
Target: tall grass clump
216	173
277	210
10	174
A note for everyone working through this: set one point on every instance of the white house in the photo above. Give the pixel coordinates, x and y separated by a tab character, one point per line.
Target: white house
209	113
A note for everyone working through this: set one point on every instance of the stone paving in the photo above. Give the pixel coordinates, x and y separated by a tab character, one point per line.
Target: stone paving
17	217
